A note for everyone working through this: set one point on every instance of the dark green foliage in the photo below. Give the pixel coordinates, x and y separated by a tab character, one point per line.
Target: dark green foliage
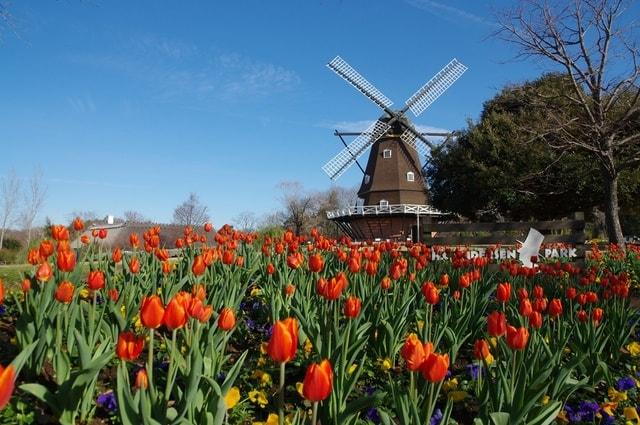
503	165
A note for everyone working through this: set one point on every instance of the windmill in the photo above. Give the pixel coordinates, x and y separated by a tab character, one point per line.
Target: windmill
393	182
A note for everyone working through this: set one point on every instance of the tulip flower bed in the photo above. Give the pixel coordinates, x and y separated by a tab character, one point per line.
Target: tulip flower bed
241	329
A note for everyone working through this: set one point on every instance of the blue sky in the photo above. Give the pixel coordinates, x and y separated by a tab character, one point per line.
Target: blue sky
132	105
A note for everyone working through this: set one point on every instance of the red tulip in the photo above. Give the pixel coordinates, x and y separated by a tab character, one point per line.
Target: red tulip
535	320
517	338
525	307
175	315
582	315
26	285
270	269
385	283
284	340
597	314
134	265
316	263
102	233
226	319
435	367
503	293
352	307
431	293
198	267
538	292
46	249
64	292
228	257
208	227
151	312
95	280
555	307
571	292
444	280
129	346
523	294
33	257
496	324
7	383
318	381
289	290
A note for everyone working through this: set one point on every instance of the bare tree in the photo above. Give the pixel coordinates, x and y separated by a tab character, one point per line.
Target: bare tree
9	198
247	221
87	216
591	42
131	216
331	199
191	212
299	206
33	201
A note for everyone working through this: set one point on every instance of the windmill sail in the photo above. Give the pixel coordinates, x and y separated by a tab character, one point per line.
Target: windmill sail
434	88
353	77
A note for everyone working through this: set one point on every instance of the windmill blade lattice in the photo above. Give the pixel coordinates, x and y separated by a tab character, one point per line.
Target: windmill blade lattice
412	140
343	160
437	85
353	77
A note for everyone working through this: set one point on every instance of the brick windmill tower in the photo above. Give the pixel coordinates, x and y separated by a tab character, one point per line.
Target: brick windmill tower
393	189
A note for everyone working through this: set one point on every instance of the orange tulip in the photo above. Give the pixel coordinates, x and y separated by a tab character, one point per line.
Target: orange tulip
129	346
95	280
59	232
284	340
435	367
43	274
26	285
352	307
133	240
496	323
46	248
1	291
481	349
151	312
318	381
226	319
64	292
78	224
431	293
142	380
444	280
134	265
227	257
414	352
385	283
7	383
517	338
199	292
66	260
198	267
204	314
175	315
289	290
33	257
116	255
84	239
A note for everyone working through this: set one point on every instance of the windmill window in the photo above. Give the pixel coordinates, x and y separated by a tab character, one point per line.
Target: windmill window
386	153
367	178
384	203
410	176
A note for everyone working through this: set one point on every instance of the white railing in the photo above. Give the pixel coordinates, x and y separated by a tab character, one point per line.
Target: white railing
384	210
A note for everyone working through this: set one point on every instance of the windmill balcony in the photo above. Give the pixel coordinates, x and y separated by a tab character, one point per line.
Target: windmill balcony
373	210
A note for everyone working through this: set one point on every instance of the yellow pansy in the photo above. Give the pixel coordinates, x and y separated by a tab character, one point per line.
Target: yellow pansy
263	348
609	408
232	397
457	396
489	359
450	384
159	291
256	291
545	399
263	377
258	397
493	341
562	416
634	348
261	361
138	323
616	396
272	419
630	413
13	340
420	325
566	350
352	368
84	293
385	364
123	311
299	387
308	346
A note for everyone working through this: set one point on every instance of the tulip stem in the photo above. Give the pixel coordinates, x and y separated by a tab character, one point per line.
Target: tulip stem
150	364
281	395
513	376
167	391
314	415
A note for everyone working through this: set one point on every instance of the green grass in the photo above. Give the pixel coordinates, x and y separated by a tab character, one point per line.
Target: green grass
11	275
